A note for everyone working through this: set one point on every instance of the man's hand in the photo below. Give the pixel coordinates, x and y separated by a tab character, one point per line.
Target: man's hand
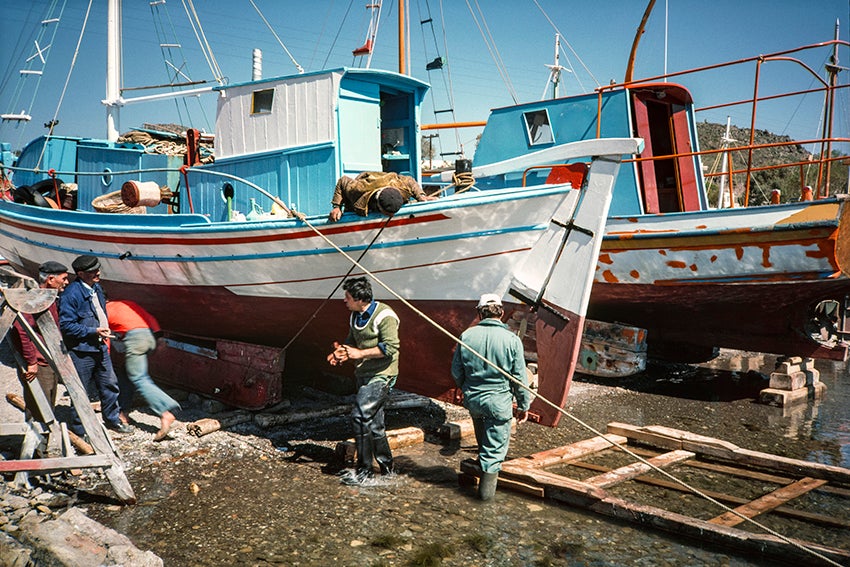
31	372
335	214
104	332
521	417
339	354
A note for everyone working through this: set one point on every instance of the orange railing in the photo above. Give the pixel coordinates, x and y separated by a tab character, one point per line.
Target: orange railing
829	88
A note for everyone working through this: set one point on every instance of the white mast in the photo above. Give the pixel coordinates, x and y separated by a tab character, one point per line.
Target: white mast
724	199
113	71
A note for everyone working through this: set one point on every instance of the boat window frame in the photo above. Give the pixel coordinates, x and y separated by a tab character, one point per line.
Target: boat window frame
255	100
528	119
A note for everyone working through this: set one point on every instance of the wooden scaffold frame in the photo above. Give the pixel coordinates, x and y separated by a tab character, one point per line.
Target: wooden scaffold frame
795	477
21	294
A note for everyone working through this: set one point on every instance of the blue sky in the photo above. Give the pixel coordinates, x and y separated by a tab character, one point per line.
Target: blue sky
322	33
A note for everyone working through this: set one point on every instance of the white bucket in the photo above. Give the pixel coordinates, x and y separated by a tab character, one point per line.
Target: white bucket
140	193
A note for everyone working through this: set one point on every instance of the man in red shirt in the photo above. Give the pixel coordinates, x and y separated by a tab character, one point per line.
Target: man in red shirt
138	332
51	275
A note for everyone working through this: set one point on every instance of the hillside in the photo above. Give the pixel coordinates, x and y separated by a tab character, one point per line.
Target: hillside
787	179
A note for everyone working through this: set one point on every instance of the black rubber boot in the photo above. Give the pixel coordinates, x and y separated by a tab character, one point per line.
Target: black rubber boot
383	454
487	485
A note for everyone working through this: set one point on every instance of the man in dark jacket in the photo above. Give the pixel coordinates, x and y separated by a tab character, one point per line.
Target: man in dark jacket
85	331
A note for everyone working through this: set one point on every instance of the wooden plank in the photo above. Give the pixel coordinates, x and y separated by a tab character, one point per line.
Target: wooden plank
768	502
576	450
633	470
573	492
739	472
397	439
669	438
704	531
79	398
51	465
728	498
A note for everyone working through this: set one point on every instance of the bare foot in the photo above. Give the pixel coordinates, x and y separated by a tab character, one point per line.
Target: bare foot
166	420
122	417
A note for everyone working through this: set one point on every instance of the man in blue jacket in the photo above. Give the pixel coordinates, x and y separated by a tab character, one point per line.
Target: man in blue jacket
487	393
85	331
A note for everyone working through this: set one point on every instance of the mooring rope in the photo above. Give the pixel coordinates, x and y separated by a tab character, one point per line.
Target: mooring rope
577	420
338	285
441	329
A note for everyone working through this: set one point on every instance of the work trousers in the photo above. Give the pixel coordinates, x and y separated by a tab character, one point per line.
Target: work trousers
135	377
48	381
95	369
370	434
492	435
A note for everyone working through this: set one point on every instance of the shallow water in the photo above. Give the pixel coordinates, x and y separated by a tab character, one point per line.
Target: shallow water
278	500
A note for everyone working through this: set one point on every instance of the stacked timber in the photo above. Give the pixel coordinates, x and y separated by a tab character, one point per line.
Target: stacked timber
795	379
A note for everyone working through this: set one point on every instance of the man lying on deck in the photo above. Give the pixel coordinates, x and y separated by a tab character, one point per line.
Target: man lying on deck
374	190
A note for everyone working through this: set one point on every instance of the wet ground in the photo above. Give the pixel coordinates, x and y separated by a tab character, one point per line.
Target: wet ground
254	497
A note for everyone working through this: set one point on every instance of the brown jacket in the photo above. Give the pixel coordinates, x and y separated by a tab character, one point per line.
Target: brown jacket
355	193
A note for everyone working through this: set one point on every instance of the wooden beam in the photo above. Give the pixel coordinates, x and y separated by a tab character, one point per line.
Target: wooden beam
727	498
633	470
577	450
669	438
51	465
768	502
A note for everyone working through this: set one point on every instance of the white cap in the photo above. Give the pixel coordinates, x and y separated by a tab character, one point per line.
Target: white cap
490	299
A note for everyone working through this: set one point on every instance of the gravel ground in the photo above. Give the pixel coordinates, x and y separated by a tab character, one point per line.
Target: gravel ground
253	496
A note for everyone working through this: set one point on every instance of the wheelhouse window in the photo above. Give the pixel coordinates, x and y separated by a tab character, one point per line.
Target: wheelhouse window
538	127
262	101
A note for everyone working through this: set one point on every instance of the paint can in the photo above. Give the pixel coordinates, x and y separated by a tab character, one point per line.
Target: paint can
140	193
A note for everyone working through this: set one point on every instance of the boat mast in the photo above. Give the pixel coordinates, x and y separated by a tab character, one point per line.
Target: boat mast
402	66
725	200
630	68
113	71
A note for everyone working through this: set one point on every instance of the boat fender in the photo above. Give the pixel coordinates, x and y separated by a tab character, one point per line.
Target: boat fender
141	193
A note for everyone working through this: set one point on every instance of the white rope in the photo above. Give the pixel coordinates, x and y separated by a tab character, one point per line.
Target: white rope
500	66
562	410
67	80
201	38
271	29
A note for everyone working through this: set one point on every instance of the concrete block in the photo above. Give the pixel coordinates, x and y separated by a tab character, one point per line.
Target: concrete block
788	367
792	381
784	398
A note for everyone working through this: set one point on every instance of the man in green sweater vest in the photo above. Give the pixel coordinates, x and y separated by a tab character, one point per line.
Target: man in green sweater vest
373	345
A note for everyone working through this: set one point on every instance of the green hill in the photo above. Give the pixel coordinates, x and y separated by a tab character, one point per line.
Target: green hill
789	180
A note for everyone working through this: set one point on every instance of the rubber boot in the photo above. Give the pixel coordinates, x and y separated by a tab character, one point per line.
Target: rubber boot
383	455
487	485
365	455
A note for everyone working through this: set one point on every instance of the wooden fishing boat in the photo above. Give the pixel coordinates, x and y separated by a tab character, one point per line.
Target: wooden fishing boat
767	278
266	278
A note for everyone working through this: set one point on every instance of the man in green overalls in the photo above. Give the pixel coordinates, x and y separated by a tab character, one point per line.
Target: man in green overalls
373	345
487	393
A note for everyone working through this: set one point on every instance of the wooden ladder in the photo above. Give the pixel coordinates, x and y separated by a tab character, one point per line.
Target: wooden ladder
20	294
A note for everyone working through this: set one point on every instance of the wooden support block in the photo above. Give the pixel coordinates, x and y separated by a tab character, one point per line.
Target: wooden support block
787	367
462	429
789	381
397	438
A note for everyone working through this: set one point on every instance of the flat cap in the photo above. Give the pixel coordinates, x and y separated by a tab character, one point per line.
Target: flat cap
389	200
51	267
490	299
85	263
